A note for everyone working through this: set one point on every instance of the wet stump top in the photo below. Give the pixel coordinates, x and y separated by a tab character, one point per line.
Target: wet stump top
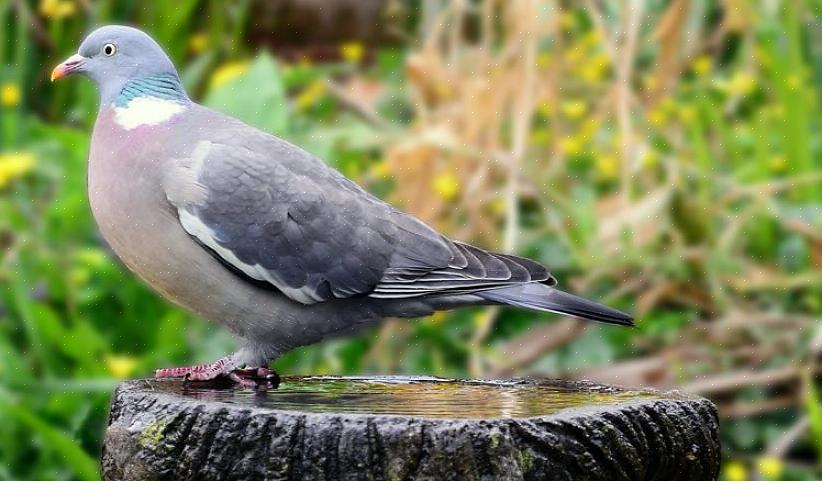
402	428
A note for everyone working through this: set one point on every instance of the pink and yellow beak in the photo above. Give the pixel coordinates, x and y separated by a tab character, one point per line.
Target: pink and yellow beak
68	67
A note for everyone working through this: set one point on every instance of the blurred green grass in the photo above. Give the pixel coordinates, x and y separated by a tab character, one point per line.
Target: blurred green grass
701	204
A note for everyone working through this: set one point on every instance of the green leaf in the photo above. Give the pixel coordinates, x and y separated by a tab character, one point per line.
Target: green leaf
814	411
591	349
80	463
194	73
256	97
21	297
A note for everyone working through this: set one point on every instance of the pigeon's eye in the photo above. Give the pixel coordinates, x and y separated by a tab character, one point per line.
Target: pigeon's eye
109	49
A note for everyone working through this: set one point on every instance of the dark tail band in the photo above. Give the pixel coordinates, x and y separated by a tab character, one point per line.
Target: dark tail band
541	297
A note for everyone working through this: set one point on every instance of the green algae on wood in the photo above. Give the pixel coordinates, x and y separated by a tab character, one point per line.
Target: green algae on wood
152	434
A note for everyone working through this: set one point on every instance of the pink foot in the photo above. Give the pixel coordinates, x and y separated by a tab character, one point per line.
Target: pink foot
222	368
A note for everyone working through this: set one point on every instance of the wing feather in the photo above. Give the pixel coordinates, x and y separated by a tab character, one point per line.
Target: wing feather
278	215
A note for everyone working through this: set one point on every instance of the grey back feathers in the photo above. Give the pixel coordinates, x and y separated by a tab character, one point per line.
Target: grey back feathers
280	215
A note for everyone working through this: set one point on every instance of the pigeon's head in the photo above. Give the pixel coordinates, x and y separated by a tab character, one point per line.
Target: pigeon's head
114	55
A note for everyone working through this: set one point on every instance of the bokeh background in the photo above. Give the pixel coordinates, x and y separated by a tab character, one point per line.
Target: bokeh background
662	155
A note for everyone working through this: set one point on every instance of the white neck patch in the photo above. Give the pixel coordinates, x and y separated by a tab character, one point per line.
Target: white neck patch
146	110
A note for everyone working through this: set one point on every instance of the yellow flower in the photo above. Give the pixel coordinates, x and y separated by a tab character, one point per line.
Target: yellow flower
658	117
616	141
594	70
381	169
352	51
735	471
770	467
10	95
198	42
228	72
607	167
568	20
650	159
575	54
92	257
702	65
592	38
310	95
438	317
668	104
794	82
47	7
544	109
498	207
544	60
571	145
589	128
443	90
446	185
742	83
14	165
574	109
79	276
57	9
120	366
779	164
480	318
687	113
650	81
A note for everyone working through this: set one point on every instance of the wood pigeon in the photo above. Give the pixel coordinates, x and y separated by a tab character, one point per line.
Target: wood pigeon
248	230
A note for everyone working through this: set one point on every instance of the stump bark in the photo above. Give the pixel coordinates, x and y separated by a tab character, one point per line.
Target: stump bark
400	428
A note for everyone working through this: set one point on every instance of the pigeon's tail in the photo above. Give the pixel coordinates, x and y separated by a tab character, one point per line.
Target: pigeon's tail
541	297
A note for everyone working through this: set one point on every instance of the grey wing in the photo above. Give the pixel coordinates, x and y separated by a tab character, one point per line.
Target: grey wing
278	215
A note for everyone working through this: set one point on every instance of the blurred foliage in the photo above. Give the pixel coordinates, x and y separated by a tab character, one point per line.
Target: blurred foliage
663	156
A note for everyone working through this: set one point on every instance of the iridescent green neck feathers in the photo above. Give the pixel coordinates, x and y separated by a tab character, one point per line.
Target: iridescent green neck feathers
161	86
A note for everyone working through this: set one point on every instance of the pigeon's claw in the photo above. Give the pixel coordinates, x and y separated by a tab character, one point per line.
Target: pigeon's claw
222	369
255	377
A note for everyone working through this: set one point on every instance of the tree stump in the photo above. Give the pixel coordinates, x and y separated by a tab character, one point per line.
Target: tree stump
404	428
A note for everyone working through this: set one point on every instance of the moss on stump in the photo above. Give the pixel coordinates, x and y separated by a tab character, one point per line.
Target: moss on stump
402	428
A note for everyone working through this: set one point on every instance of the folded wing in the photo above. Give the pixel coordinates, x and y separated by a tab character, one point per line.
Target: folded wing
280	216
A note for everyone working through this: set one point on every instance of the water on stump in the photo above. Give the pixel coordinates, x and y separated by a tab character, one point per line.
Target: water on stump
403	428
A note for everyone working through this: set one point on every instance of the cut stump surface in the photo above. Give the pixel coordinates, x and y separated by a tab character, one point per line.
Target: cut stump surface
404	428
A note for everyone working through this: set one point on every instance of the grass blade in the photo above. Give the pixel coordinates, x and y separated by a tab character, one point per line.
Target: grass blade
80	463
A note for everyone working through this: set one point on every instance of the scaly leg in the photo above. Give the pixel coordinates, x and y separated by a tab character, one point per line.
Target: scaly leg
225	367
